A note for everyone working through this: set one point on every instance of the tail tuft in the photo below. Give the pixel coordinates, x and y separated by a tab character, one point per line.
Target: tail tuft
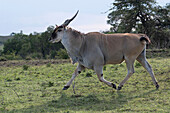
145	39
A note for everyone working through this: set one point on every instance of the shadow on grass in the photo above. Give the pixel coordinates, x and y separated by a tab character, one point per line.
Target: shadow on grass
85	103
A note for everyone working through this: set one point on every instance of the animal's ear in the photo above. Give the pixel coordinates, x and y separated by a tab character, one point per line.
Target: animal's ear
56	25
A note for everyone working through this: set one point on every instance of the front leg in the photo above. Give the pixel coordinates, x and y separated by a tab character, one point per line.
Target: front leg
76	72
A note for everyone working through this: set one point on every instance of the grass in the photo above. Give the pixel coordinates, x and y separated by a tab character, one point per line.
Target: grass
39	89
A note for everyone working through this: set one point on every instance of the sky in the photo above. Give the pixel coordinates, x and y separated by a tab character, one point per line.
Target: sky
36	15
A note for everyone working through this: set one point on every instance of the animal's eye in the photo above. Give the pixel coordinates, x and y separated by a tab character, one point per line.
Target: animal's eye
59	30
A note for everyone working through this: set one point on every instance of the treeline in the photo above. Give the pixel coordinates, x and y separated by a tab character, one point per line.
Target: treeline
33	46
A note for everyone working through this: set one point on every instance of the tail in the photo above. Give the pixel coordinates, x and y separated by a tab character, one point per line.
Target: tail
145	38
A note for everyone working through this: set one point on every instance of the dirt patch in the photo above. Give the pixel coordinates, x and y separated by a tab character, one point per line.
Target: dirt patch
31	62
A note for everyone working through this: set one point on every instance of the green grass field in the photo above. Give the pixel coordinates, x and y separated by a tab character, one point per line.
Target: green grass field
39	89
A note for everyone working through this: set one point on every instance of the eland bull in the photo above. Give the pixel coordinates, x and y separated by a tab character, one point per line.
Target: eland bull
94	50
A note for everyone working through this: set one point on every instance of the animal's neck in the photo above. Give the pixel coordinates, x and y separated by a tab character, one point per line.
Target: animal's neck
72	41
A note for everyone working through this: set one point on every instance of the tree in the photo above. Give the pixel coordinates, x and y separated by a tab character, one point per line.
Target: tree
161	35
126	14
140	16
14	44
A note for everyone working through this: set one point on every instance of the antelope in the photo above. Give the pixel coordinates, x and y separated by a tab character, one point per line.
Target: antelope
94	50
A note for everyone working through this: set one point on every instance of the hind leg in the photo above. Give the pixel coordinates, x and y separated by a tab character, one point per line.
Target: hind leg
142	59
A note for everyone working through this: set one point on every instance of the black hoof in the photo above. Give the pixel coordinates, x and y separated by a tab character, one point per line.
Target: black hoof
157	86
119	88
66	87
113	86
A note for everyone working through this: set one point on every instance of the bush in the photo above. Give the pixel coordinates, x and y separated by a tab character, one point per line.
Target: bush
88	74
2	58
17	57
25	67
9	57
28	58
62	54
36	55
53	54
137	65
48	65
50	84
12	57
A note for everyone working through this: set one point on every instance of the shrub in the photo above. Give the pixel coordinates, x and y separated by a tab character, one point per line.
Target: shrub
9	57
25	67
17	57
36	55
2	58
53	54
88	74
137	65
62	54
48	65
18	78
28	58
50	84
